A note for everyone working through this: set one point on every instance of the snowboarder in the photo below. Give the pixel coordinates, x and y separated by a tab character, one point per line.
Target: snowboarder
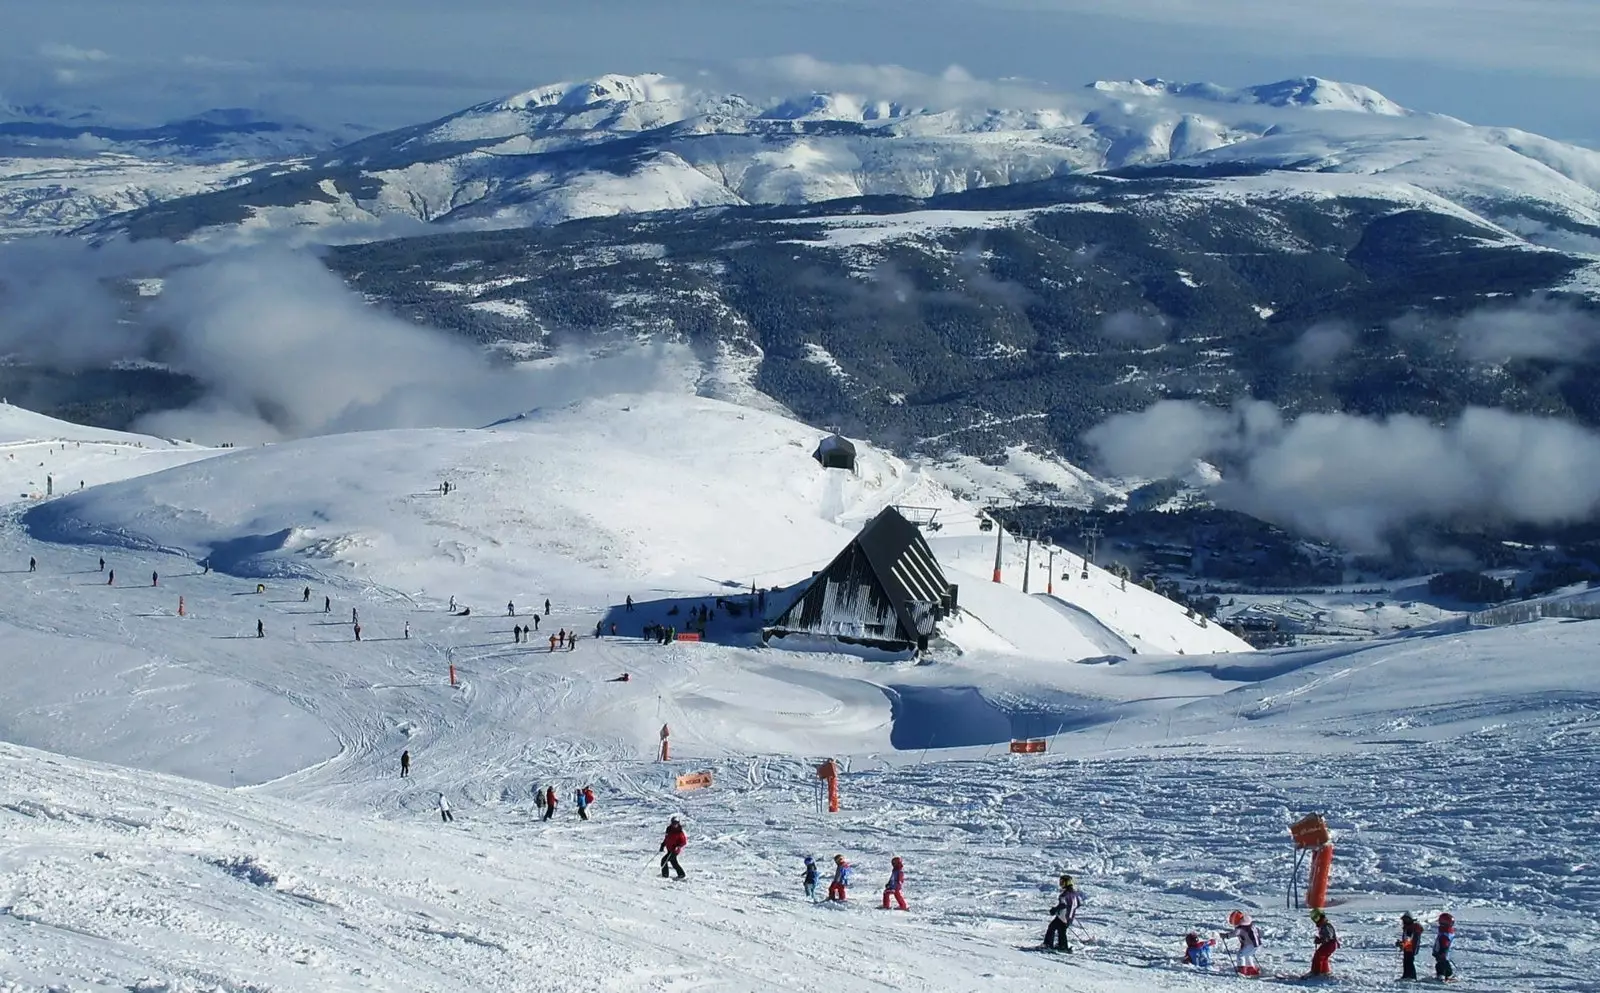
327	605
1327	944
808	882
305	595
444	810
897	878
405	764
582	801
838	886
1446	939
549	802
629	609
547	606
33	564
511	609
408	631
261	629
673	843
1196	952
155	580
1249	937
1409	944
1063	915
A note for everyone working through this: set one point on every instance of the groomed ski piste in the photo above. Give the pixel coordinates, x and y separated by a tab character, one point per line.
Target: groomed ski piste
187	807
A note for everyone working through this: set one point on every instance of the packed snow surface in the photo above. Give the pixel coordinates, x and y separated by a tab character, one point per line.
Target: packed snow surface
188	807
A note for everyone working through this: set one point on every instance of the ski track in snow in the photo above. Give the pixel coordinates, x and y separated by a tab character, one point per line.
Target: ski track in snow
1456	769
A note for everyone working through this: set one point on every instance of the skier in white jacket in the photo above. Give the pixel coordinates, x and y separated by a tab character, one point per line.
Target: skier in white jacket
444	809
1249	938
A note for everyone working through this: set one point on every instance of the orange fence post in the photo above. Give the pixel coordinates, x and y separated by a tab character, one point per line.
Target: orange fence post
666	746
1321	875
452	674
828	772
180	606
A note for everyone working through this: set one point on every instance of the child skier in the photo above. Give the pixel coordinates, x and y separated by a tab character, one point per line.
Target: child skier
1062	915
1196	952
841	880
671	844
897	879
1446	939
1327	944
1249	938
1409	944
808	882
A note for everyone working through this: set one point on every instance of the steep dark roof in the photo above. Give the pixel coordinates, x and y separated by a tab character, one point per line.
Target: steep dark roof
904	564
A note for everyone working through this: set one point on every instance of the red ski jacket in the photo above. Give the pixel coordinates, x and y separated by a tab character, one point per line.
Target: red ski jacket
675	840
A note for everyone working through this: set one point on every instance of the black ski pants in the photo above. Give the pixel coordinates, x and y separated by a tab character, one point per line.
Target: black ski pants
445	815
1408	964
1442	967
671	859
1055	936
549	811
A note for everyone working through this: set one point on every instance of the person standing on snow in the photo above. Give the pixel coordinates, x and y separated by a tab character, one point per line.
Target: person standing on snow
1442	943
111	578
552	643
808	881
358	632
33	564
629	609
405	764
1062	915
582	803
444	810
408	631
305	595
102	564
838	887
671	844
511	609
536	621
1249	938
549	802
155	580
1409	944
327	605
452	605
897	879
1327	944
261	629
354	616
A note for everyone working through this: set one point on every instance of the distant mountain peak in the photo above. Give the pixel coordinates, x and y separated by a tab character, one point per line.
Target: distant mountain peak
612	88
1308	92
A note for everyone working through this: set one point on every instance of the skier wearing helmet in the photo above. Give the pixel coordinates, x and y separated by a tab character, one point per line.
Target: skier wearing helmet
1249	938
1443	970
1327	944
841	880
1062	915
1196	952
671	844
1409	944
897	879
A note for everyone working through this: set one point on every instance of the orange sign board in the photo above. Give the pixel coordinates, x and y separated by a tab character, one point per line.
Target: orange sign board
694	781
828	770
687	636
1029	746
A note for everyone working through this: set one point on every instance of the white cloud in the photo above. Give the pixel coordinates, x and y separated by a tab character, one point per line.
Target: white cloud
71	53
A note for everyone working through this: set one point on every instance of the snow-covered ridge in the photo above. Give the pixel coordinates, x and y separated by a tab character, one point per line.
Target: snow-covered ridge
1309	92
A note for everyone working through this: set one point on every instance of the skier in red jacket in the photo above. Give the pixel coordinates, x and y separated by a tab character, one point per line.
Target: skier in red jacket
549	802
671	845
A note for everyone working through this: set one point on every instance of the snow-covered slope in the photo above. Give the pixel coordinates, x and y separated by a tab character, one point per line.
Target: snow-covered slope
624	144
1167	788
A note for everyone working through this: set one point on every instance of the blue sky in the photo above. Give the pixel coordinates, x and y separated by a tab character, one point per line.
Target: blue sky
1523	63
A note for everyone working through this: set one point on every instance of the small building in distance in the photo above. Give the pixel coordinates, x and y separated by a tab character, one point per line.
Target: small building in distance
884	590
836	452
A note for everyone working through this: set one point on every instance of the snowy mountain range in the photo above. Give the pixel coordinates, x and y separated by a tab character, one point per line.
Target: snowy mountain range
630	144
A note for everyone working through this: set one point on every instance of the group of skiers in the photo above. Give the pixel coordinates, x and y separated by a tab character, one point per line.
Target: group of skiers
1244	931
844	876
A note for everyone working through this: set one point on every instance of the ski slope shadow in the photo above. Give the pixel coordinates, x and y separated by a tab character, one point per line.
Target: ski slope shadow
961	716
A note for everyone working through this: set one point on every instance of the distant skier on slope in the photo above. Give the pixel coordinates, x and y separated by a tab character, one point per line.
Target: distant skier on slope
111	578
808	880
102	564
549	802
511	609
672	843
358	631
1443	970
838	887
1410	943
1248	935
581	800
408	631
1327	943
261	629
536	622
305	595
1063	915
1196	952
897	879
354	617
155	580
33	564
405	764
547	606
327	605
444	810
